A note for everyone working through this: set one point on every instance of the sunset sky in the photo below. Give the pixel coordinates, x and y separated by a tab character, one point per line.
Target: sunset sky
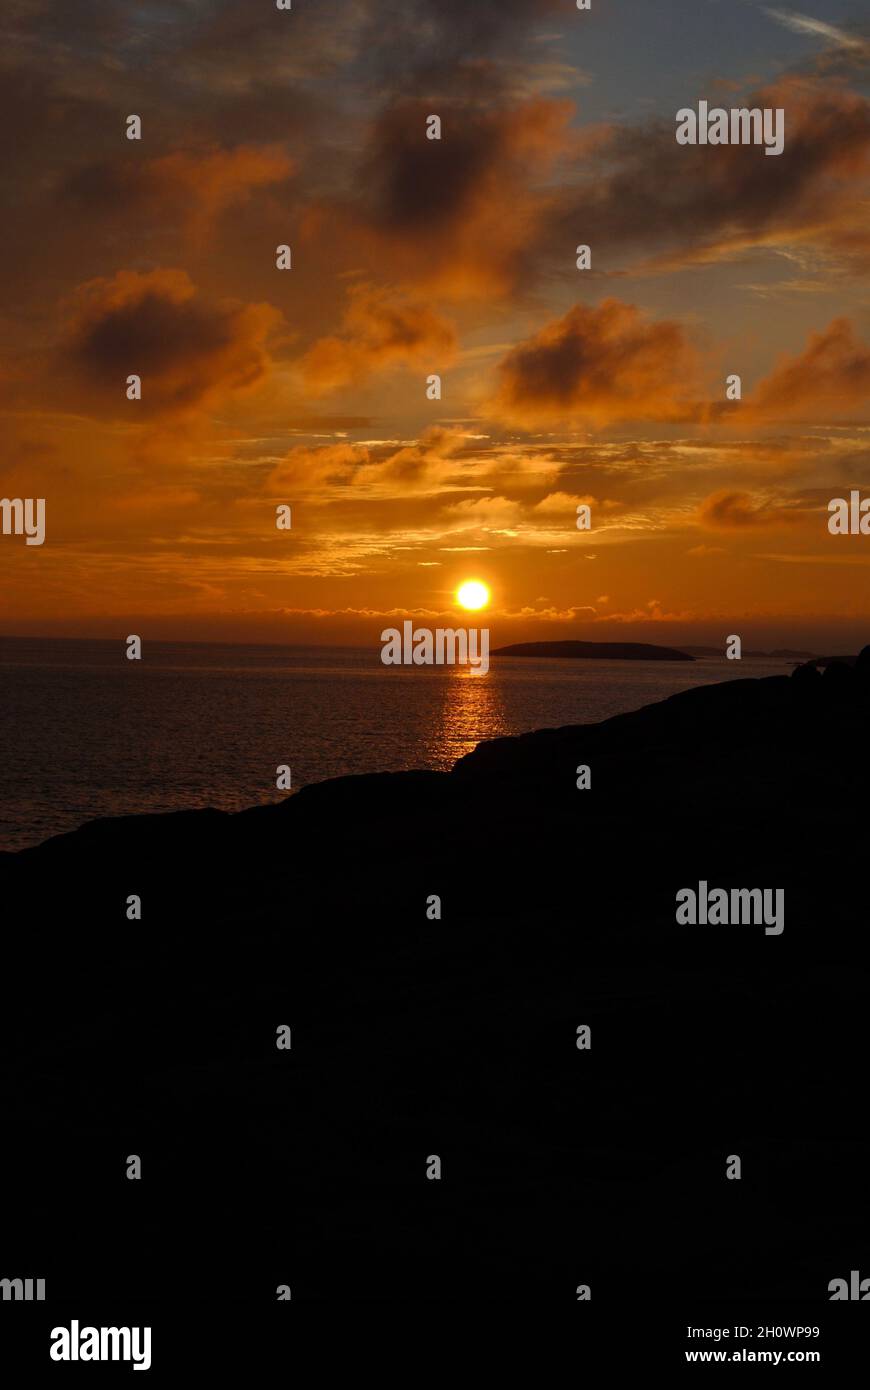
412	257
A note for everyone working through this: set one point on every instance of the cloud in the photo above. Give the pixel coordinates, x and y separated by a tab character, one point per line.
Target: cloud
710	203
728	510
597	366
379	331
652	612
366	474
563	505
818	28
831	374
553	614
189	350
195	186
490	516
459	215
415	43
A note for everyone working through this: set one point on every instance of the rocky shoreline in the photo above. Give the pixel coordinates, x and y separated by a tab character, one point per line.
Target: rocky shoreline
416	1033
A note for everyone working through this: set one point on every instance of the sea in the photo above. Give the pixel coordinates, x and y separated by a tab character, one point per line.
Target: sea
87	733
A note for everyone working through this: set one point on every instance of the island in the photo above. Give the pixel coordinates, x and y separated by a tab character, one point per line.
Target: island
595	651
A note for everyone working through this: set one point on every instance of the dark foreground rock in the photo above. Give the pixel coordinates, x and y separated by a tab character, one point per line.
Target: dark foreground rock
413	1037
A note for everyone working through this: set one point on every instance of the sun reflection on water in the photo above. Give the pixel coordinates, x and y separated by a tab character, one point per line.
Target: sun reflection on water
472	708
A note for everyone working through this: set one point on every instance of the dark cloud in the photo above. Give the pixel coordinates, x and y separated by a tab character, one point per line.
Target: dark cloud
647	190
187	349
728	510
598	365
419	185
459	214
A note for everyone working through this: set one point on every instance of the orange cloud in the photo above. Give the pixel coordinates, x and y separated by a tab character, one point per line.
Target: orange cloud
195	186
188	350
371	473
832	373
728	510
596	366
378	333
217	180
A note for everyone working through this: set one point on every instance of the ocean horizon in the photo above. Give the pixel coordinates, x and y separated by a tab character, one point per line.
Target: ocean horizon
88	734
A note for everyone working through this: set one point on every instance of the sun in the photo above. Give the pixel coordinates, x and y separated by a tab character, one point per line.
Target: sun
472	594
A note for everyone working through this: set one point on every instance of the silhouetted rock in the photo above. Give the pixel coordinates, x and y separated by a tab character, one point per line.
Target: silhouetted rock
823	662
839	675
807	674
456	1037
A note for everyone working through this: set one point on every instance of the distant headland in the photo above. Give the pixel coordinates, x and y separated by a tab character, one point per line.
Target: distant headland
595	651
786	653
